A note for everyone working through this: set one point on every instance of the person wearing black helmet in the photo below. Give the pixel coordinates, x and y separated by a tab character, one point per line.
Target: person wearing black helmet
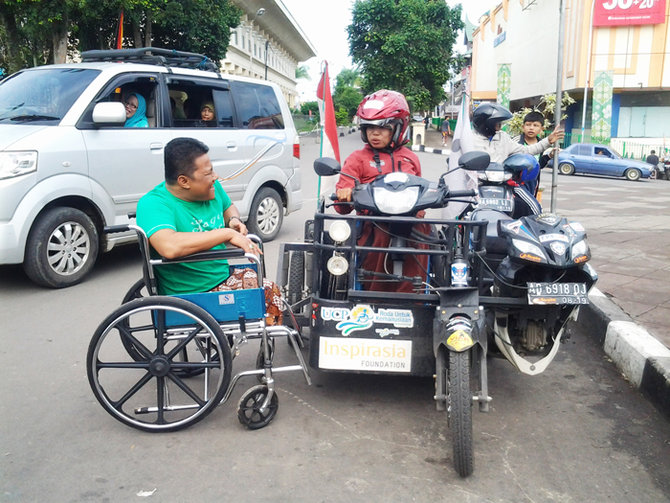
487	120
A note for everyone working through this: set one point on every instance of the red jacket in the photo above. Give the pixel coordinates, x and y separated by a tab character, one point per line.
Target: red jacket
363	166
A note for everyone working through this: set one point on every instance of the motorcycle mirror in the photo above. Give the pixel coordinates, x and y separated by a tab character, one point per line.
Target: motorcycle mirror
326	166
474	161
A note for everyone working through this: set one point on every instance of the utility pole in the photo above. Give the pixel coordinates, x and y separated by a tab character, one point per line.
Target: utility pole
259	12
559	95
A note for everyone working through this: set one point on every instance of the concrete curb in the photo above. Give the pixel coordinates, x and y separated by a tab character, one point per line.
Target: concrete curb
641	358
431	150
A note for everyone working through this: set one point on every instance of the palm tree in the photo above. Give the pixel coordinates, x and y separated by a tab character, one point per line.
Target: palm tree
302	72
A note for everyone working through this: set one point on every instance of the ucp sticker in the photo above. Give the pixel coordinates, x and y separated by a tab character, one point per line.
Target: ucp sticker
362	317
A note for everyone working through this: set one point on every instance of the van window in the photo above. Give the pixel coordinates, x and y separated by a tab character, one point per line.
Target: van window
42	95
257	106
119	89
187	100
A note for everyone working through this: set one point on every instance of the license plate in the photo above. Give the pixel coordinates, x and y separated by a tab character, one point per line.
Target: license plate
495	203
557	293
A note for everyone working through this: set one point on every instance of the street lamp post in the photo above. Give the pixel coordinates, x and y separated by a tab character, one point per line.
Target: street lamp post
259	12
267	44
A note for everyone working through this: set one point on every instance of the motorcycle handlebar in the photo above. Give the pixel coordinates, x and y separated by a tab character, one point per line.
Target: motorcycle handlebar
461	193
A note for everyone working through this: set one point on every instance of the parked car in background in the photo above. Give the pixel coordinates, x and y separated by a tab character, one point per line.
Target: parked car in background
594	159
69	167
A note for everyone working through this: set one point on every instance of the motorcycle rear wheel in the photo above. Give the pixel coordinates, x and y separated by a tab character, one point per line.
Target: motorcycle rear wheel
460	412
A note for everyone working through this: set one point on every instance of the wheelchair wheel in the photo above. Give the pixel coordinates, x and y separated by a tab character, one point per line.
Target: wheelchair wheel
249	411
178	374
137	291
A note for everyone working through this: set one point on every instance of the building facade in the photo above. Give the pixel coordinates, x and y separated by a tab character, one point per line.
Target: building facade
515	51
268	44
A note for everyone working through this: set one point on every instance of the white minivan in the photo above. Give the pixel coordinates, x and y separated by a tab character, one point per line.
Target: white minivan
68	167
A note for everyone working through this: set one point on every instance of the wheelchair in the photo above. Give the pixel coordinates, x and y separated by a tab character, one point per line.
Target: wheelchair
161	363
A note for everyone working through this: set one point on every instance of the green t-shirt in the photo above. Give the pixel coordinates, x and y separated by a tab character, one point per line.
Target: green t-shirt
159	209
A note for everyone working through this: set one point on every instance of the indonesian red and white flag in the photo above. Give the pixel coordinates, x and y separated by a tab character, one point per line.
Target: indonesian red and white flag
119	32
329	143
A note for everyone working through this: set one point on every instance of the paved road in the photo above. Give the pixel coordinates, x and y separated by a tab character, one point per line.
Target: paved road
577	433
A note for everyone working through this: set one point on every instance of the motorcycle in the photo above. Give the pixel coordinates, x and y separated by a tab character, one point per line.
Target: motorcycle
430	325
537	271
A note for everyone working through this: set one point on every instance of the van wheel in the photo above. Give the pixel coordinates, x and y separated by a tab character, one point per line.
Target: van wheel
266	214
62	248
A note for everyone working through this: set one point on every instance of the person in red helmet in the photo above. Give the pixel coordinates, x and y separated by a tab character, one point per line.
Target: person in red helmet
384	119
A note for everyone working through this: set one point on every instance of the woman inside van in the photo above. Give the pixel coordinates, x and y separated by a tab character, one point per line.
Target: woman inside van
207	116
136	111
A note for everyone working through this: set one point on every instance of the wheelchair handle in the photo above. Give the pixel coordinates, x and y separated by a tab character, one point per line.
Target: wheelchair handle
113	229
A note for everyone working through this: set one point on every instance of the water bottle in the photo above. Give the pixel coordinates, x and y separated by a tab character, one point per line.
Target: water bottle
459	272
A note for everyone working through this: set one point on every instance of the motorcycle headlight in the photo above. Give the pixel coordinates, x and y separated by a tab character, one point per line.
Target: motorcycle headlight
395	203
580	251
14	164
337	265
339	231
529	251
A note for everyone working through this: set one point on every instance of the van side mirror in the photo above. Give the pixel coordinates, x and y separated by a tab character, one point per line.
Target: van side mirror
109	114
474	161
326	166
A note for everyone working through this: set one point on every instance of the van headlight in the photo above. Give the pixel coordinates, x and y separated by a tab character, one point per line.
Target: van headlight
339	231
14	164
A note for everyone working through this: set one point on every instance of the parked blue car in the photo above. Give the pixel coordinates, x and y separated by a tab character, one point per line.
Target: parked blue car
593	159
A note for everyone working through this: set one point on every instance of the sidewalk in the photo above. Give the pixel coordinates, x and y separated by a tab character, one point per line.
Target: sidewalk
630	310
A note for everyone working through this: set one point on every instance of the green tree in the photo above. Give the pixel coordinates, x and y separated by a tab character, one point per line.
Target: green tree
341	117
347	99
36	31
405	45
347	78
308	106
347	95
302	72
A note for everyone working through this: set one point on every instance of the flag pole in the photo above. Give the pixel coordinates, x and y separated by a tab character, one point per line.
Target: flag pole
322	111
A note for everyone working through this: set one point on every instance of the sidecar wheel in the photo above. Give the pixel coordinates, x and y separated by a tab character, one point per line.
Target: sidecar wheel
459	408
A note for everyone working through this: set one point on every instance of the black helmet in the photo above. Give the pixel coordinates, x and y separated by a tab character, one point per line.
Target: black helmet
487	115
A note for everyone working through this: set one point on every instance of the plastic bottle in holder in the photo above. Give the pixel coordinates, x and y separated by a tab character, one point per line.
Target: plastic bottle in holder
459	272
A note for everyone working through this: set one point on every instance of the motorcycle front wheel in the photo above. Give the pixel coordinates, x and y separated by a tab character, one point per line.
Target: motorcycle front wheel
459	409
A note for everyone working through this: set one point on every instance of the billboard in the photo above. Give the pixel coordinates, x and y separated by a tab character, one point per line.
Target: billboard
628	12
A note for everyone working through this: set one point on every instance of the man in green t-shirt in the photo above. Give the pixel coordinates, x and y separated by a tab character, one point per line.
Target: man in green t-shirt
187	213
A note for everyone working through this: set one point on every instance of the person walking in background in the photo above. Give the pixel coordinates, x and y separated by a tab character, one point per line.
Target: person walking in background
446	131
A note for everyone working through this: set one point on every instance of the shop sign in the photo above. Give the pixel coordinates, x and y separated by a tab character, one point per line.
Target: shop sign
628	12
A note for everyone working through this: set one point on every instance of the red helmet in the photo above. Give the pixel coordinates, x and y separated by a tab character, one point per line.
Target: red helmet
385	108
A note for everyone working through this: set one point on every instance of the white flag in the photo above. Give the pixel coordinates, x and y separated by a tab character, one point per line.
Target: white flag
460	179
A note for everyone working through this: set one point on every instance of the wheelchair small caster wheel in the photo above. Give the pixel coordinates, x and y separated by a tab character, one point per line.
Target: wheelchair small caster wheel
249	412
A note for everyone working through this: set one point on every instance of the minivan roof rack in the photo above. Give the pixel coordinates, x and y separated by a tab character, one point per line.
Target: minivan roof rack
153	55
